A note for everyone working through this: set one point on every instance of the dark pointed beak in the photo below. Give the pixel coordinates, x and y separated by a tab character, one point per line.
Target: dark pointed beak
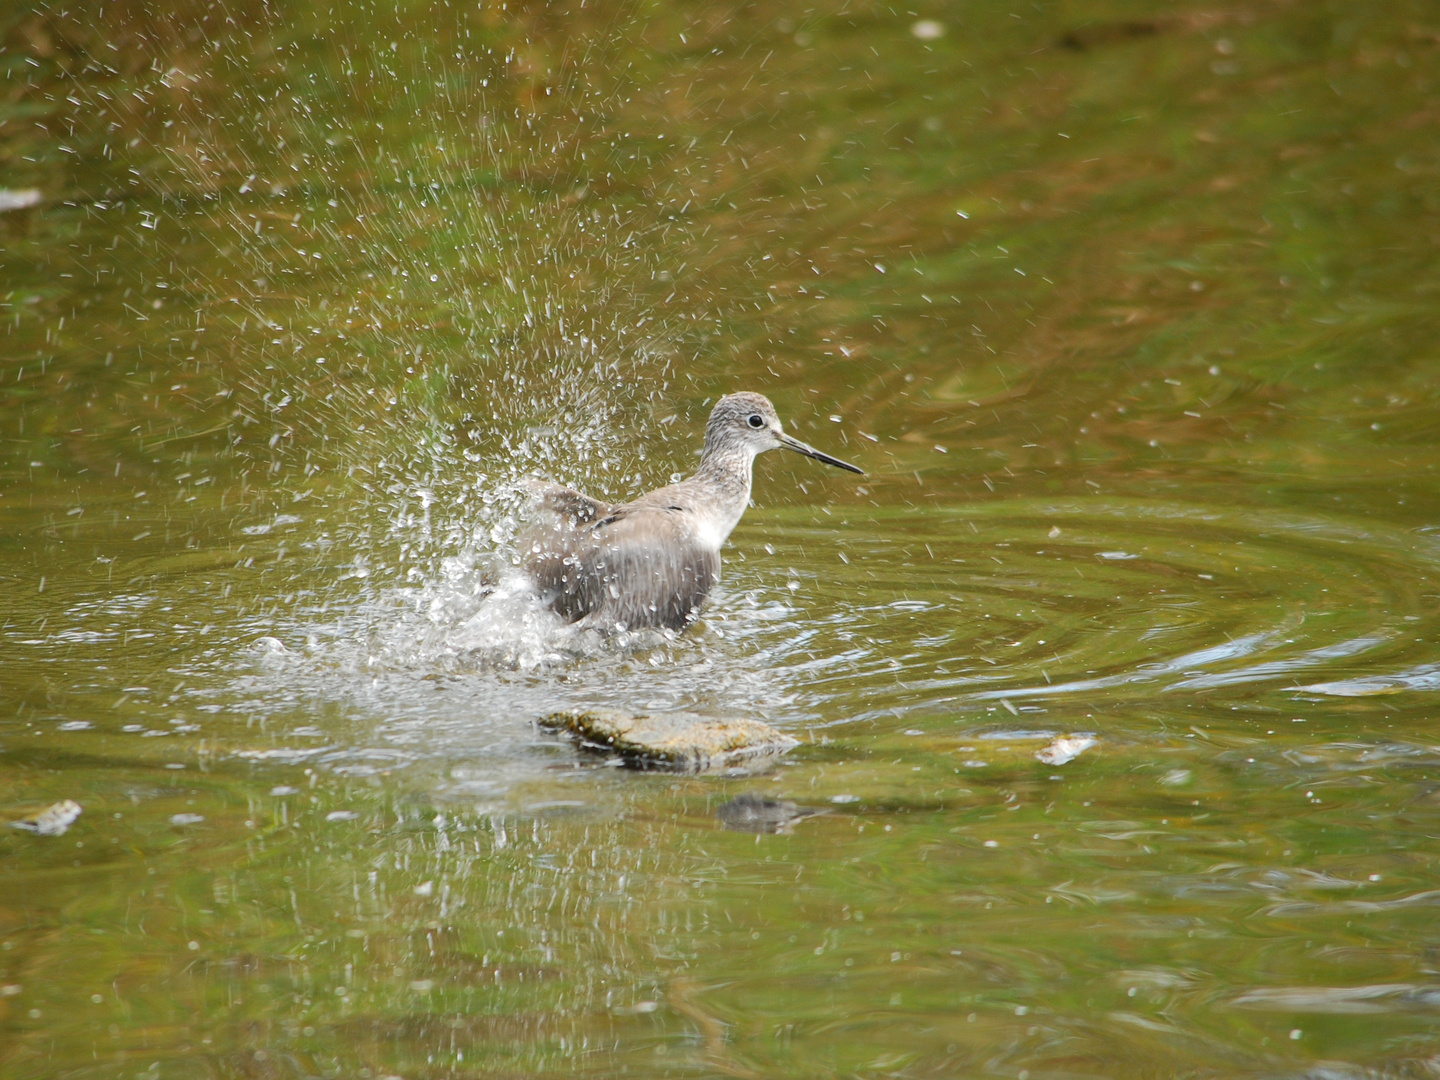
799	447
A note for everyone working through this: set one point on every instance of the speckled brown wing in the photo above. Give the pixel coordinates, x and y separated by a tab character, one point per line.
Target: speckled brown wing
553	550
637	566
649	569
571	506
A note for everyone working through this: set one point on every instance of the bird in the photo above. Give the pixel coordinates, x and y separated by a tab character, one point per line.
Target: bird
651	562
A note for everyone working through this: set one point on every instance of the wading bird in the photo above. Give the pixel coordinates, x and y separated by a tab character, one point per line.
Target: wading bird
652	561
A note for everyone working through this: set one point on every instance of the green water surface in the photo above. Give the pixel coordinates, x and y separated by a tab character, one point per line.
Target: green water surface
1131	313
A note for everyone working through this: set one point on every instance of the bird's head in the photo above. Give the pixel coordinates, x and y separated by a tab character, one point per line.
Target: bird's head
748	422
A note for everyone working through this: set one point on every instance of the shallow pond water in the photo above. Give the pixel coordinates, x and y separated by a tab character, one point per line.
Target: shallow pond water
1129	312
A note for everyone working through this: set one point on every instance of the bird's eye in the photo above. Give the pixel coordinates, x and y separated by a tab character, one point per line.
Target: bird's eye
756	420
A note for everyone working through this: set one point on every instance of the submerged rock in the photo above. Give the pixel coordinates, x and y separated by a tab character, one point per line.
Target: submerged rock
679	740
753	812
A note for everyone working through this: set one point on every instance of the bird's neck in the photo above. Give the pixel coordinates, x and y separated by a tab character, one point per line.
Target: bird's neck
724	474
727	469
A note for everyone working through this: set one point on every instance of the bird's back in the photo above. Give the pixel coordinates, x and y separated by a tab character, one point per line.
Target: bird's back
650	562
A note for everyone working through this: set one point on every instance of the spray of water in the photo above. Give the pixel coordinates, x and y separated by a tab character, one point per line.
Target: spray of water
438	266
365	283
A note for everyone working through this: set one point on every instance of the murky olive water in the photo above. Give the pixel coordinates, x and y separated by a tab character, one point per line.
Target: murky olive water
1130	313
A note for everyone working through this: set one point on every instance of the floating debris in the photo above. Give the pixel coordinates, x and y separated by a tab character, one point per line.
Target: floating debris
20	198
1355	1000
52	821
640	1007
752	812
186	819
1065	749
679	740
